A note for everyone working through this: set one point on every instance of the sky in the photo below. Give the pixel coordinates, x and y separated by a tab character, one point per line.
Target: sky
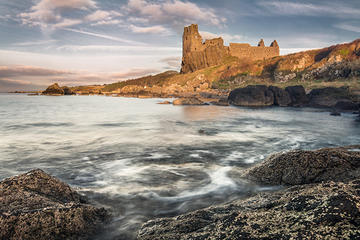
82	42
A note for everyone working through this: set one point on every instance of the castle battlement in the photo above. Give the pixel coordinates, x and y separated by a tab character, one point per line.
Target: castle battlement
198	54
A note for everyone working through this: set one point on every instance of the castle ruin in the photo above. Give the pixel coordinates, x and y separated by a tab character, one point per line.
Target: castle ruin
198	54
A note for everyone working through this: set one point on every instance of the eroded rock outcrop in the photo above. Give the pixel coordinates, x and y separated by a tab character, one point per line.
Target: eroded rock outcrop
188	101
298	95
53	89
35	205
252	96
303	167
328	97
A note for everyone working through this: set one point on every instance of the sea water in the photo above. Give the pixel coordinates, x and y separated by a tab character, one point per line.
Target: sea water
142	160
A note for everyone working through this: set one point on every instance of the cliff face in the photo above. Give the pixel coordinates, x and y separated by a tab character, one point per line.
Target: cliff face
198	54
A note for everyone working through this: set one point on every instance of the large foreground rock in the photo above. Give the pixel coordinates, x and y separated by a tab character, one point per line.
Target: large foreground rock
327	207
54	89
252	96
315	211
37	206
302	167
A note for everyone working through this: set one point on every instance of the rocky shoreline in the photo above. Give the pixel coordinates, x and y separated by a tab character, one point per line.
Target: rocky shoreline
322	202
36	205
338	99
320	198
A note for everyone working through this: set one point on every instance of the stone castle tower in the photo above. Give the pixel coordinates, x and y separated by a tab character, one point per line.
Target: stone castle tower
198	54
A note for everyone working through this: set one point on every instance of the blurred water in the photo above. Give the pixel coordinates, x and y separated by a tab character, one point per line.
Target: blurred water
143	160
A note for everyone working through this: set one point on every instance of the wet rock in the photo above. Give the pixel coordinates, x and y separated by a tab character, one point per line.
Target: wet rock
328	97
164	102
188	101
311	211
347	105
35	205
252	96
68	91
335	113
297	95
53	89
221	102
303	167
281	97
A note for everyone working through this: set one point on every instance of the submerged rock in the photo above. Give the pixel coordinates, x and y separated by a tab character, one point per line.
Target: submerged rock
302	167
54	89
164	102
335	113
311	211
252	96
188	101
36	205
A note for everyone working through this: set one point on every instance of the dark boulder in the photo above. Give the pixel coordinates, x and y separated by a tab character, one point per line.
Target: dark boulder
36	206
68	91
347	105
53	89
297	95
335	113
252	96
302	167
328	97
281	97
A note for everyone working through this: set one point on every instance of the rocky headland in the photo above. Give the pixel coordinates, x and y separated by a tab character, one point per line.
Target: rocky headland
320	200
211	70
36	205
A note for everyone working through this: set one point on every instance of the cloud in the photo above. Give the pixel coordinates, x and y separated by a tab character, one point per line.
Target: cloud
48	13
67	23
173	13
15	71
153	29
133	73
33	43
309	9
348	27
116	48
101	17
227	37
104	36
172	62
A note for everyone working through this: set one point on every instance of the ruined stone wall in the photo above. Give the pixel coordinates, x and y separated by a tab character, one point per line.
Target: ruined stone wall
198	54
243	51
